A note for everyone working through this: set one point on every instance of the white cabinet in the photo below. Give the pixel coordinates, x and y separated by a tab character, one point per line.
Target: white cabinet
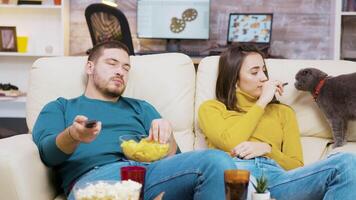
344	31
47	29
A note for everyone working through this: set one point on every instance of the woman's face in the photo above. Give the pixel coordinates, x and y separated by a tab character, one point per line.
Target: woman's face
252	75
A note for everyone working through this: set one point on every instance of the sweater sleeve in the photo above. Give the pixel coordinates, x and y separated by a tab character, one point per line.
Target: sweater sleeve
291	155
226	129
49	124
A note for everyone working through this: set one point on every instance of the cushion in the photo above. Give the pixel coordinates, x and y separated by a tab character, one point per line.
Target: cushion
314	149
349	147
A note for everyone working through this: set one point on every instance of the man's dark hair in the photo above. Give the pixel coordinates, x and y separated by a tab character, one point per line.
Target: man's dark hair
230	63
97	50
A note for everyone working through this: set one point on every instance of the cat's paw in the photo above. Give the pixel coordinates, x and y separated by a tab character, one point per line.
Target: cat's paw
338	144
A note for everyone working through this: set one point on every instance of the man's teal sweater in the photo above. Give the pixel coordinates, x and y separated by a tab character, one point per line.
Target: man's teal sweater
126	116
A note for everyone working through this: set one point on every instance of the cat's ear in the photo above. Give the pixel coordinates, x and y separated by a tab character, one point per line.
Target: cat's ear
305	72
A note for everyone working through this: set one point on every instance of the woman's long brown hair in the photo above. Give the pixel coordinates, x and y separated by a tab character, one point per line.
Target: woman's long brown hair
230	63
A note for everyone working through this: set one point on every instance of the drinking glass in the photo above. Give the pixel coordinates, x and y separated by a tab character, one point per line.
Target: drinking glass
236	184
134	173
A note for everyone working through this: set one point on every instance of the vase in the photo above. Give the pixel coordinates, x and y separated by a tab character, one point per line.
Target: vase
261	196
22	44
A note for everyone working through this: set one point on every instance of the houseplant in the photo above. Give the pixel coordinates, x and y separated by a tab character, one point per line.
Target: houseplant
261	189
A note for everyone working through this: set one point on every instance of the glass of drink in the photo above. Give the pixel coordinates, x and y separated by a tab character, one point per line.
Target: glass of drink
236	184
134	173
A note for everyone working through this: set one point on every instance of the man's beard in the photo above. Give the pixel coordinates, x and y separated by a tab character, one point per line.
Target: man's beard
106	91
109	93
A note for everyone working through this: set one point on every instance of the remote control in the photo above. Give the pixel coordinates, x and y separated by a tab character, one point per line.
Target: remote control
90	123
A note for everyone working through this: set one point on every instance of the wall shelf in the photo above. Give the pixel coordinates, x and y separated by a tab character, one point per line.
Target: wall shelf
21	99
47	29
348	13
30	6
27	54
343	25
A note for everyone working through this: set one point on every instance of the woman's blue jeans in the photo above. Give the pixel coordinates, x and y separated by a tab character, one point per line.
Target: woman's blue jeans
195	175
333	178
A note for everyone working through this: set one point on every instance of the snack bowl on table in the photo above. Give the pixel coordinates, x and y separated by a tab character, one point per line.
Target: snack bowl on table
141	149
108	190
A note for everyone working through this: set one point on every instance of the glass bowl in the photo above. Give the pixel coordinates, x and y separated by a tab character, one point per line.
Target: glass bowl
140	148
108	190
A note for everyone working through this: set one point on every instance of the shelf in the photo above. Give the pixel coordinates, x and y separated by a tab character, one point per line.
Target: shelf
21	99
30	6
26	54
47	29
348	13
13	107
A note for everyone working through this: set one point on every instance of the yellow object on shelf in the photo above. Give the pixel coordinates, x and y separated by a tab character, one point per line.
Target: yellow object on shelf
22	44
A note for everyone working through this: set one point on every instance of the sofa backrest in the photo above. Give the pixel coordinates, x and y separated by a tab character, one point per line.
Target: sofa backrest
310	119
167	81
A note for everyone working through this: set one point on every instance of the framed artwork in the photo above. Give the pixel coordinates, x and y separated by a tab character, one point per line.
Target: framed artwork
13	2
8	38
250	28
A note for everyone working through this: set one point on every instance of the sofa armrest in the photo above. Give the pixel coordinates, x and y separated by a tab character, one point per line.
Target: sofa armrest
23	175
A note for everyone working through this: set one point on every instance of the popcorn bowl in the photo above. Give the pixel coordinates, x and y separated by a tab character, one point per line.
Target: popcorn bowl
108	190
141	149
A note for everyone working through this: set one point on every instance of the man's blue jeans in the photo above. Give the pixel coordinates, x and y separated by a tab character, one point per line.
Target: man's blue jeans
333	178
193	175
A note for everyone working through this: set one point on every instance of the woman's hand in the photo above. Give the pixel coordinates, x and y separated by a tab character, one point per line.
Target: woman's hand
248	150
269	89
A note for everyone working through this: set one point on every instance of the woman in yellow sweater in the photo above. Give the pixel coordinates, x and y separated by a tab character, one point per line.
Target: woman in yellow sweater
246	121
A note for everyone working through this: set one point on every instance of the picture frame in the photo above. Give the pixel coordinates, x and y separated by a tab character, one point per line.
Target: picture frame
8	41
250	28
10	2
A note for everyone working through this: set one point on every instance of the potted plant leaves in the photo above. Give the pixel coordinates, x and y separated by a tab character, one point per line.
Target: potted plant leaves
261	189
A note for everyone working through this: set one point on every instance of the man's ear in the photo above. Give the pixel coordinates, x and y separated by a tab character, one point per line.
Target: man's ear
89	68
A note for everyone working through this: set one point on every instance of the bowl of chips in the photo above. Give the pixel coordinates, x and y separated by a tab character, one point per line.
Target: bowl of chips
140	148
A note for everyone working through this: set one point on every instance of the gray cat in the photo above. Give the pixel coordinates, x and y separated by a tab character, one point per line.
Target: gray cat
335	96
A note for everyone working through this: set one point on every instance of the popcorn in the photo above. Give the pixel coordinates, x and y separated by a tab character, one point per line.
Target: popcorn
109	190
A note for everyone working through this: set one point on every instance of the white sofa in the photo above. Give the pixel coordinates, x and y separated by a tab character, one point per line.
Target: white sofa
170	83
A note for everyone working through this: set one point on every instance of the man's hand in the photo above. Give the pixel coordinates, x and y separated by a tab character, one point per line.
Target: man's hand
248	150
161	131
82	134
73	135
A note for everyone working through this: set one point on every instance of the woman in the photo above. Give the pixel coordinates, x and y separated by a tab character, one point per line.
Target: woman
263	135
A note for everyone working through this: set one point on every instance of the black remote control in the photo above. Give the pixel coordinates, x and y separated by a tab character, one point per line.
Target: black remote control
90	123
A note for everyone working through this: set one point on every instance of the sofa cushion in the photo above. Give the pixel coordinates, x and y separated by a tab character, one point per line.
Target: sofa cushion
349	147
23	175
314	149
167	81
205	89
